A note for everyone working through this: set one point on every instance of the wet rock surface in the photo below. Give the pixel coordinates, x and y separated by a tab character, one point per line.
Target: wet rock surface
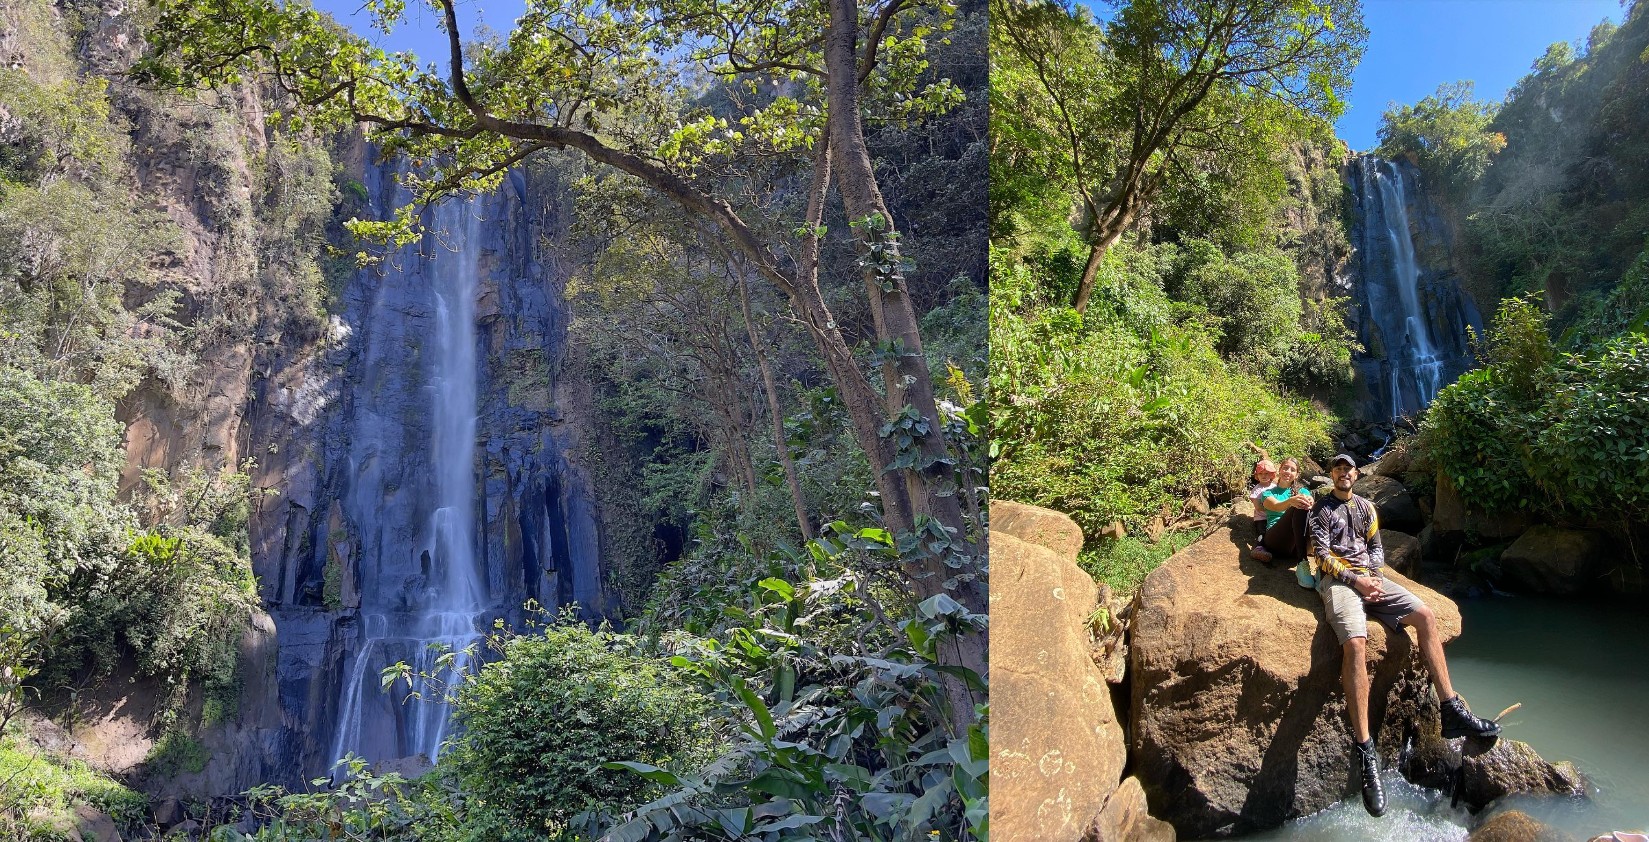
1494	769
1412	313
1512	826
349	544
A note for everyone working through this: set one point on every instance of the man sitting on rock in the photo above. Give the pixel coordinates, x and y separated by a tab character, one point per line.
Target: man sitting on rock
1345	531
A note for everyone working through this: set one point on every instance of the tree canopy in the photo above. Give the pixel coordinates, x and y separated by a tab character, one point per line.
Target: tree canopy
1165	88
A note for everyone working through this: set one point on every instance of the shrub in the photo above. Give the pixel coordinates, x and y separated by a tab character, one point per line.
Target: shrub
1092	419
40	792
1532	430
1593	437
538	724
1473	431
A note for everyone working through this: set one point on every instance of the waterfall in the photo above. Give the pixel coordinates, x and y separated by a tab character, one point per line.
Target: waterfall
1419	359
417	615
437	493
1413	316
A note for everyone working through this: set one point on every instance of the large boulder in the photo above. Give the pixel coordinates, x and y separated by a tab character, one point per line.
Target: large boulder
1552	560
1402	551
1237	716
1451	516
1057	747
1036	525
1394	503
1394	463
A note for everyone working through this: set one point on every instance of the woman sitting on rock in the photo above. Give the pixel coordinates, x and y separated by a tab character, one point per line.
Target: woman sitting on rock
1285	506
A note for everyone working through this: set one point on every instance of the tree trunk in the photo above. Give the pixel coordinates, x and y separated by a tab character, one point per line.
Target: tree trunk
1106	234
780	446
930	489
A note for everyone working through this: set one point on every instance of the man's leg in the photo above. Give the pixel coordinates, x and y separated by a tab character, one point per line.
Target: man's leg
1458	720
1354	677
1424	624
1343	609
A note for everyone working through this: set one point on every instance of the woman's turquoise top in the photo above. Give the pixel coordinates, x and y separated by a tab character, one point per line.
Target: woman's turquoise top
1279	494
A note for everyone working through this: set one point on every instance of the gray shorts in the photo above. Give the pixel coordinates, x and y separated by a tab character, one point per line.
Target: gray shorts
1347	611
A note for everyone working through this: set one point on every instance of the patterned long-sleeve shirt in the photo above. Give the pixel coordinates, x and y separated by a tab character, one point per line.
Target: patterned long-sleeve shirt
1346	534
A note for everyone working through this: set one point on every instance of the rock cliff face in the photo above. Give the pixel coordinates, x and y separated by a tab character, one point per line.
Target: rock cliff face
337	410
1412	314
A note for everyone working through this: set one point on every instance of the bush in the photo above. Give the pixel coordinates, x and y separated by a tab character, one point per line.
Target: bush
1532	430
1093	419
41	791
1593	439
538	724
1253	299
1473	431
59	459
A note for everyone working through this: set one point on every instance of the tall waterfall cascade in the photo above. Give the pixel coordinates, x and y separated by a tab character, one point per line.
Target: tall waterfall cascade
444	607
1412	315
430	472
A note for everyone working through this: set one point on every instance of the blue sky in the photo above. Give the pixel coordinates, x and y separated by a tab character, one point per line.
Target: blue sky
420	31
1413	45
1416	45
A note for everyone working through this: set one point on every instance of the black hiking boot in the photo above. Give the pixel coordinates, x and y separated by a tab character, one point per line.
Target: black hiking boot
1374	794
1458	721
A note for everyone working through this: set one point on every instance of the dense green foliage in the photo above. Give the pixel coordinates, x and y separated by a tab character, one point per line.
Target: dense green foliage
106	302
1124	412
1538	430
797	714
1170	109
676	368
1183	220
539	724
40	791
1448	134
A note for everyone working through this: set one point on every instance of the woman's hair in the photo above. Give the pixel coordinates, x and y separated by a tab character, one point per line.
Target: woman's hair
1289	460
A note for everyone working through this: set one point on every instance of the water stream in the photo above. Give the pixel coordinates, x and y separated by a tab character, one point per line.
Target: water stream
1581	670
415	610
1417	360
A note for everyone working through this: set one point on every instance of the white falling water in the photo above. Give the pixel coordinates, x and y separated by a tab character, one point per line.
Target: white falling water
1418	357
444	612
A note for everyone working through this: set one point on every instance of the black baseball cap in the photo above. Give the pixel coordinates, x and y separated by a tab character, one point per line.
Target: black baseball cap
1342	458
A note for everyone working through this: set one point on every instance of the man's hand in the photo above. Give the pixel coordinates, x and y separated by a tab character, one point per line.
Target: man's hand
1367	587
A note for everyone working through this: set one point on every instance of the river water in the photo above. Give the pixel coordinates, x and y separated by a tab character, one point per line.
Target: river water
1581	671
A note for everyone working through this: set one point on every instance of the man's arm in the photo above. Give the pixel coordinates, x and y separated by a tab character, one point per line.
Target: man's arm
1376	550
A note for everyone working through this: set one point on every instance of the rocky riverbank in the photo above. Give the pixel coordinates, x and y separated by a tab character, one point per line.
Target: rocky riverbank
1229	712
